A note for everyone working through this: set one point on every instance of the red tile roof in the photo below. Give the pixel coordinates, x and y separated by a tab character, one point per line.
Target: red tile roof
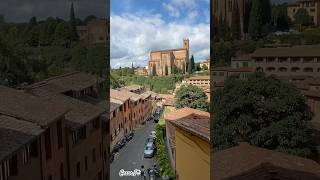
116	94
293	51
75	81
22	105
244	161
192	120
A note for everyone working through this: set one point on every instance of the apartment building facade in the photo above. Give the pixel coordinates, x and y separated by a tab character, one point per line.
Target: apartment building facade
20	158
84	120
147	106
288	61
37	146
95	32
74	144
187	132
311	6
116	121
125	100
301	60
136	106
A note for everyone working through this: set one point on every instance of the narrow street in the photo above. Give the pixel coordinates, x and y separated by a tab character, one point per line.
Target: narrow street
131	156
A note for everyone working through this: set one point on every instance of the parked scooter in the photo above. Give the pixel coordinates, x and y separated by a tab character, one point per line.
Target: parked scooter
152	174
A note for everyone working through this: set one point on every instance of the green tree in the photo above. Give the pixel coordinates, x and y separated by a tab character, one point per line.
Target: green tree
192	63
266	11
302	17
89	18
246	19
280	19
33	37
189	65
62	35
205	67
183	70
166	70
132	69
120	71
256	20
154	70
174	69
13	67
73	25
191	96
235	23
264	112
97	60
79	56
223	52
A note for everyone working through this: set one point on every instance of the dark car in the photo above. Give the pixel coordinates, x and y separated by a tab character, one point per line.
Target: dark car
156	120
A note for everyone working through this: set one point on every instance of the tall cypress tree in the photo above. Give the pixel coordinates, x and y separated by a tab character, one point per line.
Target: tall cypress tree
154	70
73	25
190	66
166	70
220	27
132	68
235	22
266	17
256	20
246	19
174	69
192	63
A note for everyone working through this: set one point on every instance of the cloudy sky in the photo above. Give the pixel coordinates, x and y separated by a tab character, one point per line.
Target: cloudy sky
139	26
22	10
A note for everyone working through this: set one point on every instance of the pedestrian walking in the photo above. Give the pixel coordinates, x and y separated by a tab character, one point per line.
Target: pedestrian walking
143	173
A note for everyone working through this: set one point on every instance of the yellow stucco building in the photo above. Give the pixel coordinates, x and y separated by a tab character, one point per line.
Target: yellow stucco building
189	135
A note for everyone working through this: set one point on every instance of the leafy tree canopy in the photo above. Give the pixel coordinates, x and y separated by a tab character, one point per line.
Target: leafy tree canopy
302	17
264	112
191	96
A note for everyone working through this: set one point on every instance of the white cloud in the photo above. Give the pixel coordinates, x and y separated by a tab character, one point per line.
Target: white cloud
186	3
171	10
134	36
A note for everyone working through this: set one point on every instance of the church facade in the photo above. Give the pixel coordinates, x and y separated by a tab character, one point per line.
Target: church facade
165	62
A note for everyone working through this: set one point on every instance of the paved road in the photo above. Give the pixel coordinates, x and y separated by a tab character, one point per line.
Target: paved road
131	157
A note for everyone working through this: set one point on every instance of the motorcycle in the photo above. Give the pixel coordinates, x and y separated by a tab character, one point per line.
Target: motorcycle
112	157
152	174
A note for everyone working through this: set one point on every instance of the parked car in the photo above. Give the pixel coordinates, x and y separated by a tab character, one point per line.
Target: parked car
149	150
150	140
153	134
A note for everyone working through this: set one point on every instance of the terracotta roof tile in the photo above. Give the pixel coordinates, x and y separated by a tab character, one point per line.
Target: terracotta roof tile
312	93
199	78
80	112
192	120
168	50
75	81
15	133
116	94
22	105
133	96
293	51
239	161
